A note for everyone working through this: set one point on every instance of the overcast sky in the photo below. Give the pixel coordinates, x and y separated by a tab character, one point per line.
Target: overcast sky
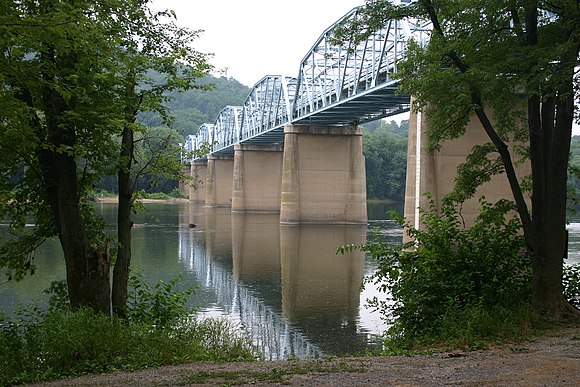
254	38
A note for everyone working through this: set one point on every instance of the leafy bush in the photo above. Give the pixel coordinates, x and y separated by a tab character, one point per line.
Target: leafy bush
451	274
176	193
571	282
159	305
38	346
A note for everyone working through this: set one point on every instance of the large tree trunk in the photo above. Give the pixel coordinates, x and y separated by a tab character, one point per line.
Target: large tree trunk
124	224
550	119
87	265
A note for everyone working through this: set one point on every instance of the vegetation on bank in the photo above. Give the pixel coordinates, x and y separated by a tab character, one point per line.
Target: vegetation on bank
173	194
158	330
458	287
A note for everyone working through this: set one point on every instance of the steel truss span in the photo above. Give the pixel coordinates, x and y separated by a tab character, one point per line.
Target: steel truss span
337	84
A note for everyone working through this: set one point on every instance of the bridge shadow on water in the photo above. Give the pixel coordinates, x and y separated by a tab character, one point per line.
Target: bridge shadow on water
284	283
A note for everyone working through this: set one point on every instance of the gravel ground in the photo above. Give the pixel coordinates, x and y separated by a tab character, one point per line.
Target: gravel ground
551	360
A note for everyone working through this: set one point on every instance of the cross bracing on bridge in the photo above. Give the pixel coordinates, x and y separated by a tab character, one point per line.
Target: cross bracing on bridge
337	84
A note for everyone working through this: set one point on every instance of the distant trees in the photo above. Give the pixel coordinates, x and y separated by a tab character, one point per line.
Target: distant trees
385	151
192	108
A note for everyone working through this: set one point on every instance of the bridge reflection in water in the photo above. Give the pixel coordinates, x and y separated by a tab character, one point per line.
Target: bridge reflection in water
285	284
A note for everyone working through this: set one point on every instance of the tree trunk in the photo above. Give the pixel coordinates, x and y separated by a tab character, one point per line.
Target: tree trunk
124	224
556	117
87	266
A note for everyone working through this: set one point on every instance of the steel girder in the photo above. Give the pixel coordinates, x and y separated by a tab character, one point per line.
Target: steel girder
354	82
267	107
188	147
341	84
226	130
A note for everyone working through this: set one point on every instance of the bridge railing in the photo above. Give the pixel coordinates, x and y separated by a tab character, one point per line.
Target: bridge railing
330	75
332	72
227	128
269	105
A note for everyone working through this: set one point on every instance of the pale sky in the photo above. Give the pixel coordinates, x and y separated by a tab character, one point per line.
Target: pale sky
254	38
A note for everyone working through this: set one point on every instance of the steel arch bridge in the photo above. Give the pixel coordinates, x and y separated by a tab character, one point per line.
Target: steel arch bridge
340	85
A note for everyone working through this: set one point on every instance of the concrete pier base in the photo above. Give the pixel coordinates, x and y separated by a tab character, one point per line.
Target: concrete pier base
198	181
435	172
257	178
185	185
323	178
218	190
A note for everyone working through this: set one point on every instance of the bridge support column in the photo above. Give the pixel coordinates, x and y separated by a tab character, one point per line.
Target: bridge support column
435	172
185	186
198	176
257	178
323	178
218	189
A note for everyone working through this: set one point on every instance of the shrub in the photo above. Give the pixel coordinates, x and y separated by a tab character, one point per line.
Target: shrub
451	274
159	305
571	282
38	346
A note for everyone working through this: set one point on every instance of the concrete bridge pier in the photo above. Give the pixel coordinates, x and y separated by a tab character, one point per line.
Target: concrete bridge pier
435	172
257	178
197	185
185	186
218	189
323	178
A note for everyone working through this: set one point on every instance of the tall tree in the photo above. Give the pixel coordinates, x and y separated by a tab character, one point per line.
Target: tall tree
513	64
55	65
153	44
69	85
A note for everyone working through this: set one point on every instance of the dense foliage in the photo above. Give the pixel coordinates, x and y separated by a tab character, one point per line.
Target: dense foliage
160	330
450	275
76	76
385	151
512	65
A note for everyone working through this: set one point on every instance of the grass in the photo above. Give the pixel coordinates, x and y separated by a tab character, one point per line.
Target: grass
64	344
472	328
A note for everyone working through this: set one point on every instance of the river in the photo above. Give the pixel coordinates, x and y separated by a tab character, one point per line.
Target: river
284	285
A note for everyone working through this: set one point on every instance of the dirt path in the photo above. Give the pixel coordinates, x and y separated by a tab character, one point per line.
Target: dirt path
552	360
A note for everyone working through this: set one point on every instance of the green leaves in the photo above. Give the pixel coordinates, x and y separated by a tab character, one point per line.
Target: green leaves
159	306
448	268
386	161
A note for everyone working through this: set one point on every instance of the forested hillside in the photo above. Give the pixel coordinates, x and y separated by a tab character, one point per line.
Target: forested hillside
196	107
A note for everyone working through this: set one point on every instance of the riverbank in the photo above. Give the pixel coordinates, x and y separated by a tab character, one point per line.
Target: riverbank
115	200
550	360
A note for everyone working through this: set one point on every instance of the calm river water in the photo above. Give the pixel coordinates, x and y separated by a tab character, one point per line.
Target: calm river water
284	285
